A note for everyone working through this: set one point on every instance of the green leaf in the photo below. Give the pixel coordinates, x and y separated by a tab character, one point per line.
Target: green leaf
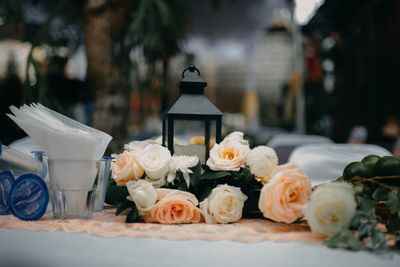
205	168
194	183
333	242
111	182
251	204
236	178
204	192
356	221
133	216
197	169
393	225
116	195
247	176
393	201
344	239
180	182
195	177
214	175
365	230
379	240
123	206
354	243
365	203
380	194
397	245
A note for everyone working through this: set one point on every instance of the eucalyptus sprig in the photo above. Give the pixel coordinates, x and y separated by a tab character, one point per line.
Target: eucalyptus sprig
377	180
372	229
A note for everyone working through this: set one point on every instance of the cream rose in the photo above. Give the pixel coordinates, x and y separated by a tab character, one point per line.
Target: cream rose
155	159
229	155
283	198
262	161
331	208
136	147
174	206
125	168
143	194
223	205
183	164
238	137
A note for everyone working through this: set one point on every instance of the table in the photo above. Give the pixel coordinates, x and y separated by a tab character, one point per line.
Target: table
19	247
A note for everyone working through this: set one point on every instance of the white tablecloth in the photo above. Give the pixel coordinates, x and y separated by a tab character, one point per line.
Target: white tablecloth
45	249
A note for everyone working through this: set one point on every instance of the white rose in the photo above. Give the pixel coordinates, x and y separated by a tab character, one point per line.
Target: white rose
223	205
155	160
262	161
331	208
237	136
230	155
136	147
143	194
183	164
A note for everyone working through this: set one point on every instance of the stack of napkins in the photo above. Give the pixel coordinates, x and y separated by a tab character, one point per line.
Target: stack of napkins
59	136
71	146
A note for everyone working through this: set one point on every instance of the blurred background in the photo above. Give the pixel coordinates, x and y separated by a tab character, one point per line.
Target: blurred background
274	67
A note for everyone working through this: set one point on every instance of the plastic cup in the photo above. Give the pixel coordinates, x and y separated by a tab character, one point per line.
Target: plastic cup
19	163
42	157
102	183
72	185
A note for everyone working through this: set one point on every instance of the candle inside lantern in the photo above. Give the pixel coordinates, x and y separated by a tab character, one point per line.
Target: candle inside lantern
191	150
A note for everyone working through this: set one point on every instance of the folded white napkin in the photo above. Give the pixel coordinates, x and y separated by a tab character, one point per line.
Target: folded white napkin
70	144
59	136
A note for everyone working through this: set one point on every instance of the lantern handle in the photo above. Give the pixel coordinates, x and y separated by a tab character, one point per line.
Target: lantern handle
190	68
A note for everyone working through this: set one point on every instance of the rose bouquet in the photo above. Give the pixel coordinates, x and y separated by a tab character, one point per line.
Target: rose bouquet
156	186
236	181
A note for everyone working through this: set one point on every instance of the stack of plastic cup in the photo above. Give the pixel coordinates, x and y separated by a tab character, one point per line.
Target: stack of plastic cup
20	163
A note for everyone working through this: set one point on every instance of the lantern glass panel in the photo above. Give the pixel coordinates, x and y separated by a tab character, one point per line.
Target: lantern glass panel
190	137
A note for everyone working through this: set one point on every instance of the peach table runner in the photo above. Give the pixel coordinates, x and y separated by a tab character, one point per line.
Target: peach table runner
105	224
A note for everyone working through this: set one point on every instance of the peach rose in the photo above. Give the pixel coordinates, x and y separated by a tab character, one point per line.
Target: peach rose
283	198
229	155
125	168
174	206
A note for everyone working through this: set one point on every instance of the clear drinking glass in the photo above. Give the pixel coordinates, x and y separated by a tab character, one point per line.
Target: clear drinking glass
72	185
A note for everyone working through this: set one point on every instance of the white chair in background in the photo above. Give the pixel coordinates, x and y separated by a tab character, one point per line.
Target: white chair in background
284	144
326	162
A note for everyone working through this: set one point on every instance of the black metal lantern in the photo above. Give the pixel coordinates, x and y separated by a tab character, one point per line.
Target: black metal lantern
192	105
